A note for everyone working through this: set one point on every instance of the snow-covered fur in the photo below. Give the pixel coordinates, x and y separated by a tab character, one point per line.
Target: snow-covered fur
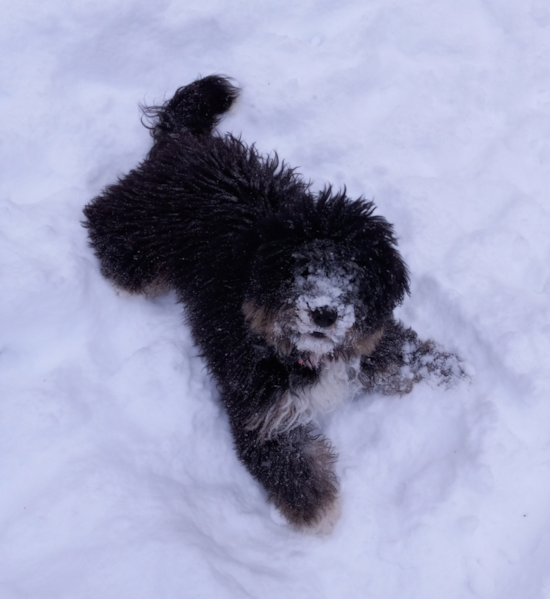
289	293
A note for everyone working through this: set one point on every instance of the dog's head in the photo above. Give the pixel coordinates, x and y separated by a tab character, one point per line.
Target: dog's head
325	277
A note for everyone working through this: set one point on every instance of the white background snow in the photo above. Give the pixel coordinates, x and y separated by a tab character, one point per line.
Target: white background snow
117	475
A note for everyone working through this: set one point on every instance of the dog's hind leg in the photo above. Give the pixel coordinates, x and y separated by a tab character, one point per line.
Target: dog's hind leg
139	227
125	238
296	469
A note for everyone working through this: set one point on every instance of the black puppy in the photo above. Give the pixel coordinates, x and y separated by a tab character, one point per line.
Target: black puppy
289	293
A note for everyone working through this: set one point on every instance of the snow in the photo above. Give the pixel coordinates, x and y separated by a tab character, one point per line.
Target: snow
118	477
320	289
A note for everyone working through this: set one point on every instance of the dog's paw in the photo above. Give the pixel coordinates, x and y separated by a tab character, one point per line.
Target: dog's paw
326	522
392	381
419	361
431	363
323	525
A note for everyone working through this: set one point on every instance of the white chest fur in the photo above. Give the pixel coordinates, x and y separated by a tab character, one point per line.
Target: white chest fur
327	394
304	405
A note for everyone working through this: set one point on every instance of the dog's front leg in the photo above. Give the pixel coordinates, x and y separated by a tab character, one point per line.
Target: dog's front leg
295	468
401	359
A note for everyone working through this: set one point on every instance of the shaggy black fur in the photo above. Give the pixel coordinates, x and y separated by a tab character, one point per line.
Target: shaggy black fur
287	292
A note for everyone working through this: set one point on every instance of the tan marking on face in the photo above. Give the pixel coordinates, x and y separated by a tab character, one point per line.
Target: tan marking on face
262	321
259	319
365	346
159	286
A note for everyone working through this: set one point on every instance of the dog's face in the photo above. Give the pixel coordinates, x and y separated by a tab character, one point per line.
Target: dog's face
323	284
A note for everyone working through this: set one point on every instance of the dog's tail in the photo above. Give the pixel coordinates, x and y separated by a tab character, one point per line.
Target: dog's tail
197	107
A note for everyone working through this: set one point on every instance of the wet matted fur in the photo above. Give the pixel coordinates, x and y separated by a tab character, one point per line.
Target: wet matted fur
289	293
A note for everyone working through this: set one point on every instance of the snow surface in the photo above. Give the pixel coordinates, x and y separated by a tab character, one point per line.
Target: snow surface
117	474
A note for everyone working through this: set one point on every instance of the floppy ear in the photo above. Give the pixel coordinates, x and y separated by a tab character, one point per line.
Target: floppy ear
371	244
384	278
386	263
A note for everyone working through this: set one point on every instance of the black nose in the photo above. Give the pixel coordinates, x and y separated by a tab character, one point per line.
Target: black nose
324	317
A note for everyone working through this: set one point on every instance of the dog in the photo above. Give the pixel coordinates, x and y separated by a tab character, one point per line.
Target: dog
289	293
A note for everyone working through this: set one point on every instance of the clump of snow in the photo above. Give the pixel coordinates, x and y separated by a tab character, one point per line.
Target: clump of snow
319	289
119	478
